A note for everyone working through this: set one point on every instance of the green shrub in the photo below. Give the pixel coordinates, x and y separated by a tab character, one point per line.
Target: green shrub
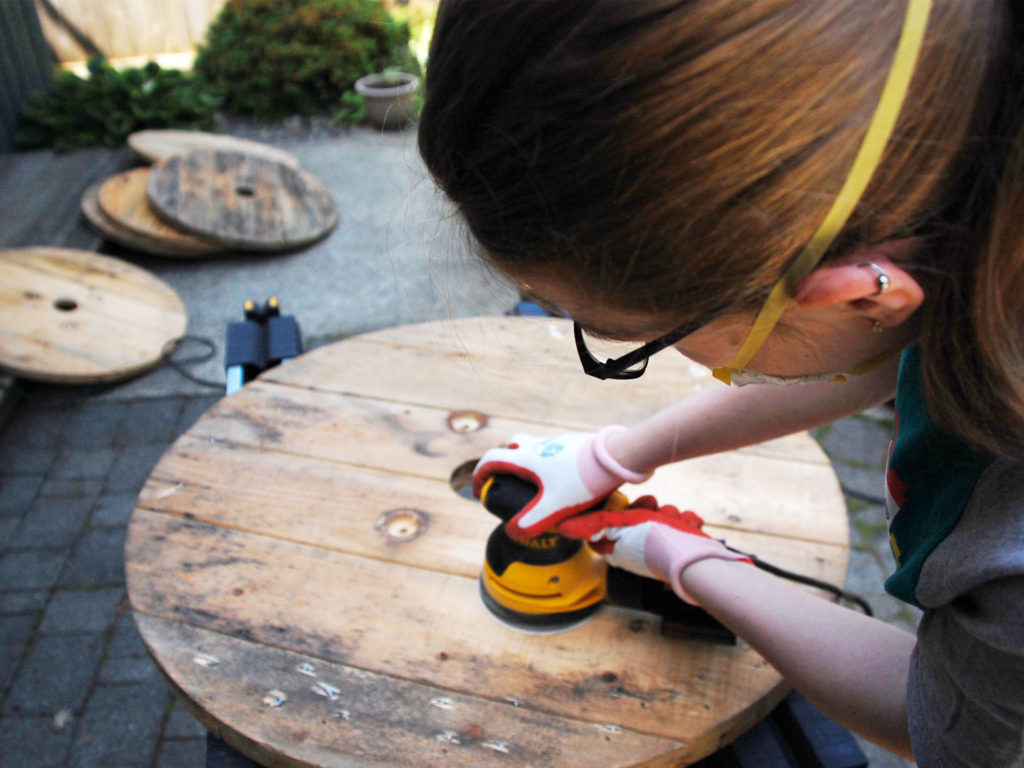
106	107
273	58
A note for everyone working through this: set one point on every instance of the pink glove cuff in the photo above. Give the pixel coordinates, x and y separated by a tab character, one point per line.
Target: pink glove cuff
599	470
668	552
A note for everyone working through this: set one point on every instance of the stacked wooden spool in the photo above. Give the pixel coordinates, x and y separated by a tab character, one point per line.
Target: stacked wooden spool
207	194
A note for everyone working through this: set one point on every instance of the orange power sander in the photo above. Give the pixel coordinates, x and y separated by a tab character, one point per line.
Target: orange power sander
551	583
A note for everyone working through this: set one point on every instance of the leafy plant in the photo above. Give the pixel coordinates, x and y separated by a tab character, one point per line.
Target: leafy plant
106	107
273	58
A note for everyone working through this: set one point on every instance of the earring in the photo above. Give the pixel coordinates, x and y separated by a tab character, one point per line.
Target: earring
882	280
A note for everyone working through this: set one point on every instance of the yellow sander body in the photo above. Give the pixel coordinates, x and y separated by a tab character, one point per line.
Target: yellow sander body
547	582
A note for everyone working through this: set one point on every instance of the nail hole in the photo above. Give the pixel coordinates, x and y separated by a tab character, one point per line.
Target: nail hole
402	524
65	305
465	422
244	191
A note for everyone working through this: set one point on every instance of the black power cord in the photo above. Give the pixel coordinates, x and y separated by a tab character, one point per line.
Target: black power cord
775	570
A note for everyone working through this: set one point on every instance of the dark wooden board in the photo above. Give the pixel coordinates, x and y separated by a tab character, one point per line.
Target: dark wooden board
241	201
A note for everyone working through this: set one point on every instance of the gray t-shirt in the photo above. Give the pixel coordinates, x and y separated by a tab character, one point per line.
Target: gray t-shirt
965	693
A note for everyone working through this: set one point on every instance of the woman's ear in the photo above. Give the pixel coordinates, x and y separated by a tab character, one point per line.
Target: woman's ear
888	300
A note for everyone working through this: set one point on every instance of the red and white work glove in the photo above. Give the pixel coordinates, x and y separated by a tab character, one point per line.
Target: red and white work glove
653	541
572	473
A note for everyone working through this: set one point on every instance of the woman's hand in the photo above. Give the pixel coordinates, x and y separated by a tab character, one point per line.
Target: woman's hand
572	472
653	541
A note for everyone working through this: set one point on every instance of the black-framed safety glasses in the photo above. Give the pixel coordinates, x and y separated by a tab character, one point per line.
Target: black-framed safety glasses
633	364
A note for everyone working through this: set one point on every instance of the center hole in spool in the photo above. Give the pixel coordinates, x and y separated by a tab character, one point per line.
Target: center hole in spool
65	305
244	191
461	480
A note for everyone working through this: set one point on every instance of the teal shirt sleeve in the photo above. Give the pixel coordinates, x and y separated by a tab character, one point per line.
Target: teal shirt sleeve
930	477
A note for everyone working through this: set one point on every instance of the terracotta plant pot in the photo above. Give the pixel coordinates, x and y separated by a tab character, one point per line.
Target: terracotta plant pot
388	98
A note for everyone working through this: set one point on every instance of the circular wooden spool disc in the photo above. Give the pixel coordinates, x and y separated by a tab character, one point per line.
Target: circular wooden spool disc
122	199
77	317
241	201
130	238
306	576
157	145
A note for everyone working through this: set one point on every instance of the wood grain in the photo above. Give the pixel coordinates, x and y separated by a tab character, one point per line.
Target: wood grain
76	317
113	230
122	199
262	539
241	201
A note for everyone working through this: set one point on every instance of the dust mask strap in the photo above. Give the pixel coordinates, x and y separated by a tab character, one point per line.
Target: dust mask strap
864	164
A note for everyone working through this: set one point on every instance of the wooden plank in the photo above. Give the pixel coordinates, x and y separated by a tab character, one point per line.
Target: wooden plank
337	715
466	364
431	628
349	509
730	490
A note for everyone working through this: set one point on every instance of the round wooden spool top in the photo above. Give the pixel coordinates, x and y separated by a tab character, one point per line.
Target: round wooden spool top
302	570
241	201
76	317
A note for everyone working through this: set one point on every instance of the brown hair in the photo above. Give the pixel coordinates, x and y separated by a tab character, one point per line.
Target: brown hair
667	157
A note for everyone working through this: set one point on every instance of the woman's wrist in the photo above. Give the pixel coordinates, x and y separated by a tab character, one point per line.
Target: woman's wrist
623	448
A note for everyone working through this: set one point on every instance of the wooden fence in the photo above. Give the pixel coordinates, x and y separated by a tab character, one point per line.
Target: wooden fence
79	29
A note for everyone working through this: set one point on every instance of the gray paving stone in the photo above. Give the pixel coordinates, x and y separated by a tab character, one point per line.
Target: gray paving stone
85	487
81	610
92	425
30	569
179	754
52	522
82	463
98	558
133	466
15	632
55	675
120	726
32	742
857	439
125	640
17	492
34	427
182	725
113	508
129	669
192	409
149	421
8	525
24	460
29	601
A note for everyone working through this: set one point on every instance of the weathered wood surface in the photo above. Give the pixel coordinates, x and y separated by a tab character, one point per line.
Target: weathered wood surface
309	519
241	201
157	145
75	317
41	193
122	200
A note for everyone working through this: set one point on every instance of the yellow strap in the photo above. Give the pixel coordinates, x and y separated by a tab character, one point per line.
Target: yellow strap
868	156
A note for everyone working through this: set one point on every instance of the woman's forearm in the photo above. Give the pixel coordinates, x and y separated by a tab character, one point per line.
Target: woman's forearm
722	418
852	667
